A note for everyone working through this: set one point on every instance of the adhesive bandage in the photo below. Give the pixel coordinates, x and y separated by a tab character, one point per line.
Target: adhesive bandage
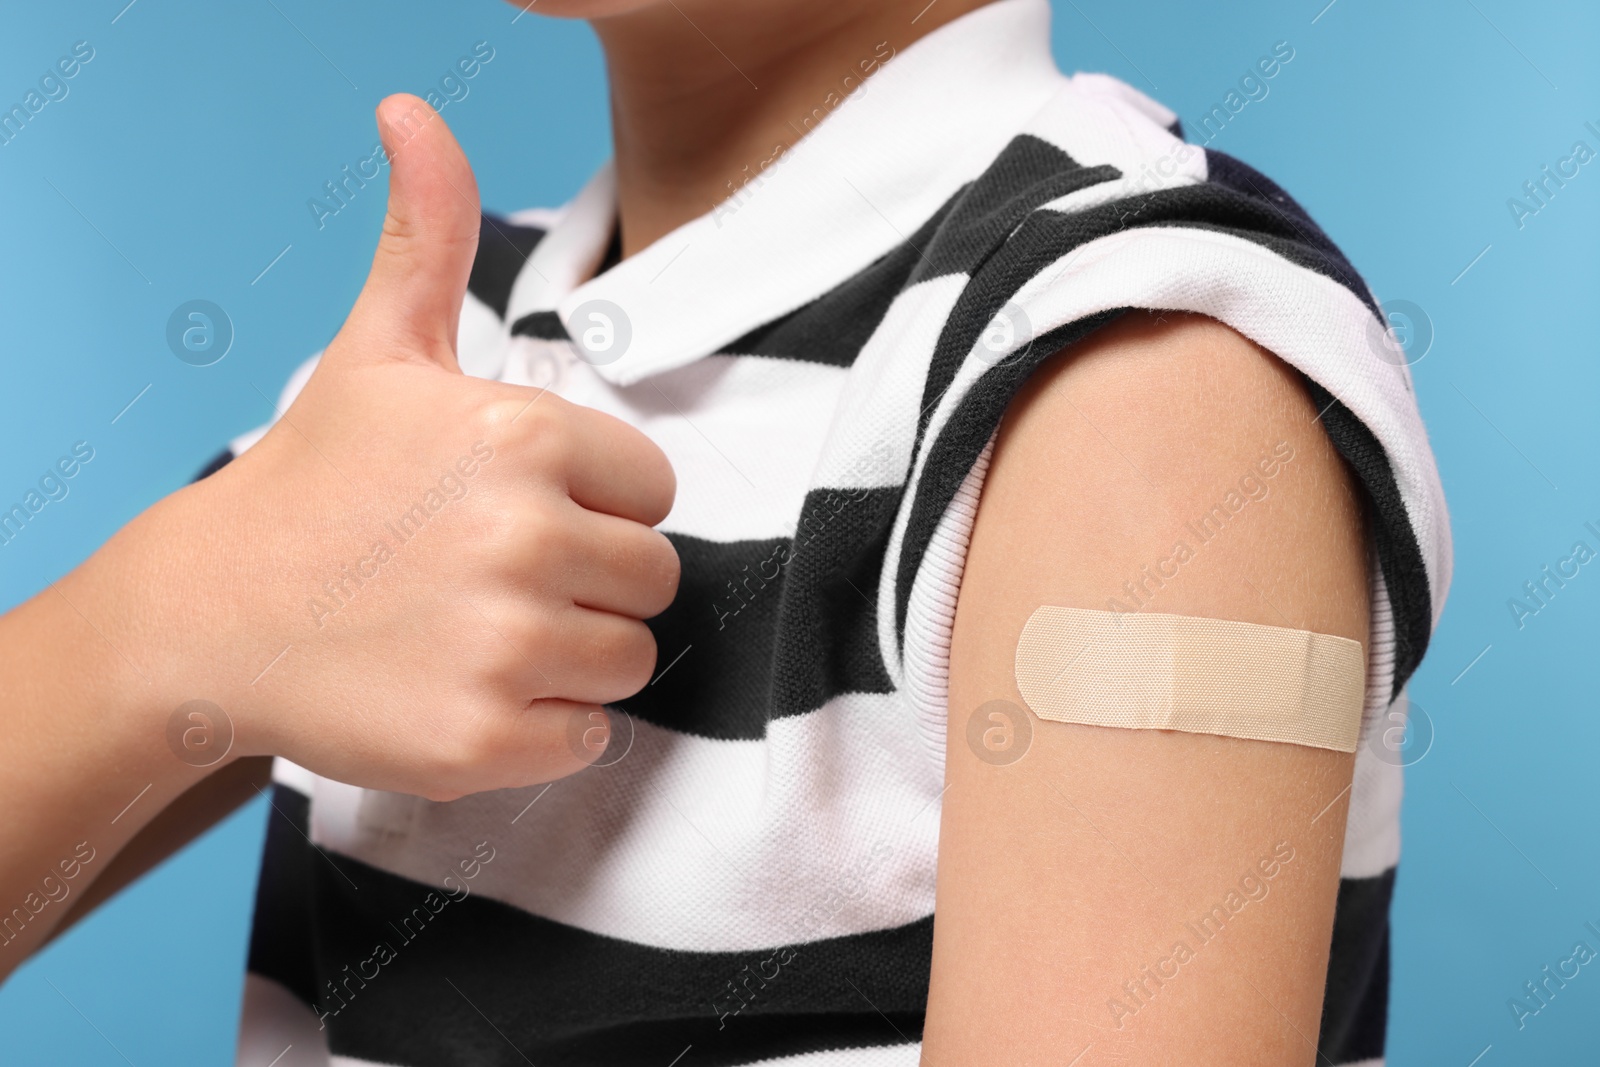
1146	671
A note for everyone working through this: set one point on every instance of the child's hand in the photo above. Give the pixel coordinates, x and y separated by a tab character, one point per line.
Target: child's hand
456	568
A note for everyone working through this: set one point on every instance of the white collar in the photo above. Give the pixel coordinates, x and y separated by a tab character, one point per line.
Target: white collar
855	186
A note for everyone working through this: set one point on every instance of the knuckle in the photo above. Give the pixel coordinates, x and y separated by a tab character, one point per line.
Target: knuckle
487	529
529	659
542	534
530	418
537	423
533	631
497	418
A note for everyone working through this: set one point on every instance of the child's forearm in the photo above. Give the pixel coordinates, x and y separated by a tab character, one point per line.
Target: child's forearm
83	726
201	807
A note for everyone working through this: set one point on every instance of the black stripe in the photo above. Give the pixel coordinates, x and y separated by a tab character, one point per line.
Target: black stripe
1227	172
1027	173
215	463
764	629
503	250
1405	575
281	932
541	325
472	980
833	328
1356	1006
828	618
1046	236
958	237
563	995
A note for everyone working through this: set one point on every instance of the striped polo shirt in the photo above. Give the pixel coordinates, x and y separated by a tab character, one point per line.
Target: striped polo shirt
747	874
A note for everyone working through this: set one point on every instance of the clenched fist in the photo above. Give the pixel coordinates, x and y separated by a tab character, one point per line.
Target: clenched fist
451	572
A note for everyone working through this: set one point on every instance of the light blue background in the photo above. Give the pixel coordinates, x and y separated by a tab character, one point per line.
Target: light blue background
192	141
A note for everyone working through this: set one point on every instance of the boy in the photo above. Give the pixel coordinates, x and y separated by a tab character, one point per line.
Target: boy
900	337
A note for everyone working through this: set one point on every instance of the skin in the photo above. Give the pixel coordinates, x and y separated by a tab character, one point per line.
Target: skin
701	89
477	657
1063	874
1060	876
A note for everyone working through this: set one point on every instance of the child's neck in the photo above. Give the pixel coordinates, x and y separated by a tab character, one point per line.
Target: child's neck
703	89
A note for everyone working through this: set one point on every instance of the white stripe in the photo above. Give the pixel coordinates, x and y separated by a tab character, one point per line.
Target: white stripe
537	218
1120	93
931	611
743	433
878	408
293	775
480	339
1372	826
909	1055
827	827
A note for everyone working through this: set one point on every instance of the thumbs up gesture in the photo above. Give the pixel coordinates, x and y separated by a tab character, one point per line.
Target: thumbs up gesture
455	569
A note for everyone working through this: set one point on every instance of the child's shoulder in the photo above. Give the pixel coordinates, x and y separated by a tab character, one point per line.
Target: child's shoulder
1101	167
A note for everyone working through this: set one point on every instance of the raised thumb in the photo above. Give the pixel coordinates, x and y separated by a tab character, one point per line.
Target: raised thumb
411	303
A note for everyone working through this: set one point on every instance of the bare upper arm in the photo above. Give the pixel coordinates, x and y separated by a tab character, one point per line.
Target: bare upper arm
1065	877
